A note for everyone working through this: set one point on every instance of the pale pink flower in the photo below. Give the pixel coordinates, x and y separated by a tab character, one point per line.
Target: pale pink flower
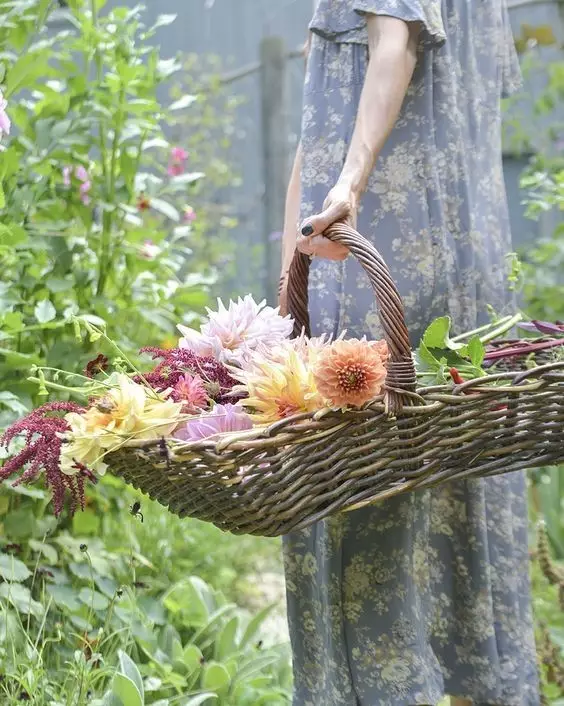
231	334
149	250
223	418
67	175
81	173
5	122
189	214
177	161
84	191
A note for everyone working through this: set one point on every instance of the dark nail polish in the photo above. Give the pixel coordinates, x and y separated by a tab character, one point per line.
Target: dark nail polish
307	230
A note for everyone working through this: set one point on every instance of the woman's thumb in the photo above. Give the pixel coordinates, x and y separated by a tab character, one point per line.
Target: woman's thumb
316	225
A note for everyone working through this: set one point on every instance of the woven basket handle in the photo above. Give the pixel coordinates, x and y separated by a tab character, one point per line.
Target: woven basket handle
401	369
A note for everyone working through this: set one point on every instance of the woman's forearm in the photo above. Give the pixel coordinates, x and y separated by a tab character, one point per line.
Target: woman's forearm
291	213
393	55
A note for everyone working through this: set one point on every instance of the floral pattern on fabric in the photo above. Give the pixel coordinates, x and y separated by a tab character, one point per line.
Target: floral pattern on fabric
426	594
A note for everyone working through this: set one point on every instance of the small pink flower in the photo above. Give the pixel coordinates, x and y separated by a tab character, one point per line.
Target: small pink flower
81	173
5	122
177	161
189	214
84	191
67	175
149	250
191	391
223	418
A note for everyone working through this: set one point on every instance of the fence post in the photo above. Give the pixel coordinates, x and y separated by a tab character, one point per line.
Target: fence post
274	116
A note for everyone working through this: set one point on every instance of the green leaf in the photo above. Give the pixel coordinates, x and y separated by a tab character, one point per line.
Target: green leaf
20	360
215	677
129	669
476	351
9	400
184	102
126	690
2	195
110	699
225	644
26	68
93	598
166	209
200	699
254	625
20	597
12	235
192	658
49	552
437	335
44	311
85	523
12	569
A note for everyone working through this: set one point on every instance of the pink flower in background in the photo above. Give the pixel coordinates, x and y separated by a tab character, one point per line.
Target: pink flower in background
84	191
223	418
149	250
5	122
231	334
81	173
191	391
189	214
177	161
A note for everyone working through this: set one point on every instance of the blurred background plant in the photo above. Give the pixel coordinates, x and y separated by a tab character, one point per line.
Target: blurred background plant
102	215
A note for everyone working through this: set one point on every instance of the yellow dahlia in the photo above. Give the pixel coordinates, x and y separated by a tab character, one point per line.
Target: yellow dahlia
126	412
279	387
350	372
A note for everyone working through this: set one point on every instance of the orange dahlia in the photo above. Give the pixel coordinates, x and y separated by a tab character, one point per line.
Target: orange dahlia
350	373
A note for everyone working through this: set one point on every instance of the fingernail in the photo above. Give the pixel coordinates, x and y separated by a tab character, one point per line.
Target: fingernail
307	230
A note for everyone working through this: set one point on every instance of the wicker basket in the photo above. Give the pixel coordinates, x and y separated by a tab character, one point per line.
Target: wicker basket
302	469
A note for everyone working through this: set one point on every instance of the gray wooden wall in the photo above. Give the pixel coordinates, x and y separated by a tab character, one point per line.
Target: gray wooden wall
233	29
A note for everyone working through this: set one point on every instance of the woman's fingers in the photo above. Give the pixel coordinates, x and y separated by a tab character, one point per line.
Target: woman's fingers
319	246
336	211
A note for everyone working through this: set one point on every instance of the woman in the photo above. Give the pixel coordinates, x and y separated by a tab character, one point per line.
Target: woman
428	594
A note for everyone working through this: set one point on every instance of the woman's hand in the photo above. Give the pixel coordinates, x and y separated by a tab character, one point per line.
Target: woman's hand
340	205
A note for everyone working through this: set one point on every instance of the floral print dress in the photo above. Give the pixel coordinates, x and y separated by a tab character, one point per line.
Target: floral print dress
426	594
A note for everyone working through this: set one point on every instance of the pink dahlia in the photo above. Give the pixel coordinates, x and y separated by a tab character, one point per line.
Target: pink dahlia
223	418
190	390
176	362
232	334
351	372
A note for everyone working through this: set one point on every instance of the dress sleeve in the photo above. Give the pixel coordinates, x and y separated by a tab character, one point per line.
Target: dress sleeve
426	12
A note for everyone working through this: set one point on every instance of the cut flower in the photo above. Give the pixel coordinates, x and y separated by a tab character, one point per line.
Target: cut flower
126	412
351	372
231	334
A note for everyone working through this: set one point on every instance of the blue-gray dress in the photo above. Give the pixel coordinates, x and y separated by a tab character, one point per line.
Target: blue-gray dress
427	594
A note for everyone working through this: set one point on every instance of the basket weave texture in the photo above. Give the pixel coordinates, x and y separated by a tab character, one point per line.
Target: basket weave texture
305	468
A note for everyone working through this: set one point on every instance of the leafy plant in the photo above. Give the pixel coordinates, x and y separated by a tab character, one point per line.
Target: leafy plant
87	604
89	222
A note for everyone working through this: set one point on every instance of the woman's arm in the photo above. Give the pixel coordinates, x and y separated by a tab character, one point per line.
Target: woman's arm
291	212
393	55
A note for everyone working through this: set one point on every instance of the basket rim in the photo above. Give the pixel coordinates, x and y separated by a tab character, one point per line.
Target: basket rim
326	421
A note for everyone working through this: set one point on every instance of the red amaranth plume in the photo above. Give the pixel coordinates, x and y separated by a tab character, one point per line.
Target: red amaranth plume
176	362
41	429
